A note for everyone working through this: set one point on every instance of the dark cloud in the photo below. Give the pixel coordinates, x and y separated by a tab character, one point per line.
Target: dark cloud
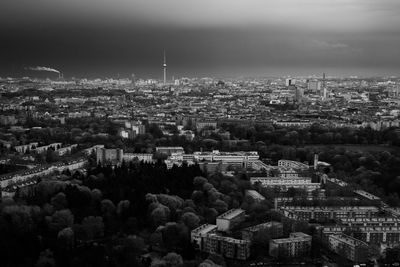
102	38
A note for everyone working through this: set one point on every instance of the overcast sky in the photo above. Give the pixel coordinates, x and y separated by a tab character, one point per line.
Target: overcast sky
101	38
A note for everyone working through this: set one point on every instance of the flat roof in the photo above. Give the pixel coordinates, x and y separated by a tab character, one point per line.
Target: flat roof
230	214
204	229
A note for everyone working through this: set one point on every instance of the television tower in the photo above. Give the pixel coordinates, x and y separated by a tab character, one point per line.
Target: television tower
165	68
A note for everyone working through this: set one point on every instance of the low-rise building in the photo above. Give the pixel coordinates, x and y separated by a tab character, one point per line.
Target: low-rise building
27	147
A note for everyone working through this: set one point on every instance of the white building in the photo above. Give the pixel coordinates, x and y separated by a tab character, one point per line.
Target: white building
229	219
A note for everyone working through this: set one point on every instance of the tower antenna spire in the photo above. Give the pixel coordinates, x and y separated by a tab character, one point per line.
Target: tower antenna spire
165	68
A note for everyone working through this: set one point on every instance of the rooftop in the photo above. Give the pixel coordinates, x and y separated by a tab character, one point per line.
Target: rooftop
348	240
230	214
204	229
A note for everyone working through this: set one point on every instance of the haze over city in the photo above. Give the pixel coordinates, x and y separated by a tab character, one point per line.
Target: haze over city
97	38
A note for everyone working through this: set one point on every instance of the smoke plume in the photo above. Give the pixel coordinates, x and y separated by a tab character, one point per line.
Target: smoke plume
43	69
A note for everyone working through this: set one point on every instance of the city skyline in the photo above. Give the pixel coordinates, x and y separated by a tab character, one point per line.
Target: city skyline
94	38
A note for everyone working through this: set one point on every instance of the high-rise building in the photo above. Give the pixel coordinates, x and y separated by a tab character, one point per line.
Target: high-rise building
290	81
133	80
314	86
299	94
324	90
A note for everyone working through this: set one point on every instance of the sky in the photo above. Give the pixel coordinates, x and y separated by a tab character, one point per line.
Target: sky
217	38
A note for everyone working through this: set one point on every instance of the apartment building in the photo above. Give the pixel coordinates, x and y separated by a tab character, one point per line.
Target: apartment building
207	240
230	219
145	157
198	235
296	245
321	213
254	195
348	247
274	229
388	235
284	184
113	156
169	150
228	247
292	164
373	222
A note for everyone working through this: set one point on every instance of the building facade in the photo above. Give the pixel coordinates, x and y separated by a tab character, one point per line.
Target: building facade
230	219
296	245
348	247
113	156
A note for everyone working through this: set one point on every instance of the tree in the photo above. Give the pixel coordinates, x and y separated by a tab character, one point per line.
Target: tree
210	214
260	242
59	201
91	228
220	206
172	202
46	259
199	181
191	220
160	215
175	235
66	237
173	259
107	207
209	263
123	208
61	219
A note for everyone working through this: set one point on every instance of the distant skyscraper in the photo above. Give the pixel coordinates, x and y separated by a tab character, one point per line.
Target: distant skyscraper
324	90
133	79
290	81
165	68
